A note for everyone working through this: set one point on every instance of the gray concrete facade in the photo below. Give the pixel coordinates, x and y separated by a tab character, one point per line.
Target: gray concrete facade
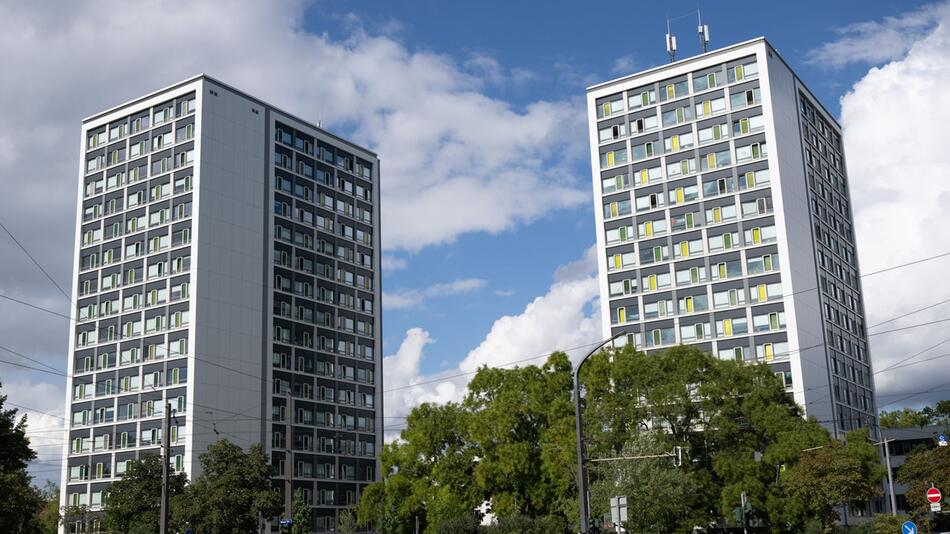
723	220
228	264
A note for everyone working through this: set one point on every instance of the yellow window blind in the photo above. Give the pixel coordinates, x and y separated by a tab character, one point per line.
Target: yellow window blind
769	352
621	315
652	282
750	179
727	327
763	292
707	107
675	142
648	228
689	304
610	159
711	161
684	249
756	235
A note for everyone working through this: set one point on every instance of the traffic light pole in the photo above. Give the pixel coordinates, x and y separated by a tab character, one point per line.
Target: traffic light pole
581	472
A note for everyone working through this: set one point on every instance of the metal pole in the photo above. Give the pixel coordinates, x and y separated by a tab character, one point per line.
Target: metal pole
890	476
166	449
581	472
581	475
289	459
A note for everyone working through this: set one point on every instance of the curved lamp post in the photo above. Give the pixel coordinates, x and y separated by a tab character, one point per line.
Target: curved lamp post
581	473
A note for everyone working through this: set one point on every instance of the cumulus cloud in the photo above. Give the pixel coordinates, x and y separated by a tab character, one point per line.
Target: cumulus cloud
452	153
624	65
394	263
876	42
894	133
565	318
410	298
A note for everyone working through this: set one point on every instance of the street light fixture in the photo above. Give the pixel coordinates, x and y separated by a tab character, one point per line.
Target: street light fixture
581	473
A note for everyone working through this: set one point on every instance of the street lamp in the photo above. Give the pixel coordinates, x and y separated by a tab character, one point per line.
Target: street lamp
581	474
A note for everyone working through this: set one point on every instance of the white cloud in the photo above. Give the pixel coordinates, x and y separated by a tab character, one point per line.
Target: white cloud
895	141
410	298
471	162
504	292
394	263
624	65
578	269
876	42
565	318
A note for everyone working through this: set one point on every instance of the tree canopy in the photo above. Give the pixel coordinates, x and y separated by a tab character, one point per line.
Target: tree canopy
510	444
232	494
939	414
19	500
134	502
923	468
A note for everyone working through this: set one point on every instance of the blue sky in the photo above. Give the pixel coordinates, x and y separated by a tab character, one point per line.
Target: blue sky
477	111
565	46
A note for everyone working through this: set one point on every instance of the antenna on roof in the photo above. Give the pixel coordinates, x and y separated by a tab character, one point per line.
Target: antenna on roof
703	31
670	42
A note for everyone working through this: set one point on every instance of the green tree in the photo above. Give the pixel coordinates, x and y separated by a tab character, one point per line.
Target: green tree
347	522
134	502
923	468
658	493
18	499
939	414
835	475
232	493
735	422
511	443
48	514
428	474
73	515
300	514
905	418
887	524
521	426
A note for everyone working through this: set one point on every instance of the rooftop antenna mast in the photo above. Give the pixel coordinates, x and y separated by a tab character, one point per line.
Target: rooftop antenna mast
703	31
670	42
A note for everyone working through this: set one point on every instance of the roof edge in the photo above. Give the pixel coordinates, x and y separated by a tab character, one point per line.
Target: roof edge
683	61
203	76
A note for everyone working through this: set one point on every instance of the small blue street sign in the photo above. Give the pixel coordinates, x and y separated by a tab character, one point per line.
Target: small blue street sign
288	522
909	528
188	531
942	440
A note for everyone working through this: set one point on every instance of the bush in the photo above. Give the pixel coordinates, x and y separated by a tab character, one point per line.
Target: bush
520	524
459	525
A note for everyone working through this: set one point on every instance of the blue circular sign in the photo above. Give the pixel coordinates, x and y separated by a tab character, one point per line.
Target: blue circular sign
909	528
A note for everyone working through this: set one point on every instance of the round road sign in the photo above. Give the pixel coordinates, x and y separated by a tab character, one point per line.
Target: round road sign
933	495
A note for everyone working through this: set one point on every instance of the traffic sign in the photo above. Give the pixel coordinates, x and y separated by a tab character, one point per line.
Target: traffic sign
286	522
933	495
942	440
935	507
909	528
